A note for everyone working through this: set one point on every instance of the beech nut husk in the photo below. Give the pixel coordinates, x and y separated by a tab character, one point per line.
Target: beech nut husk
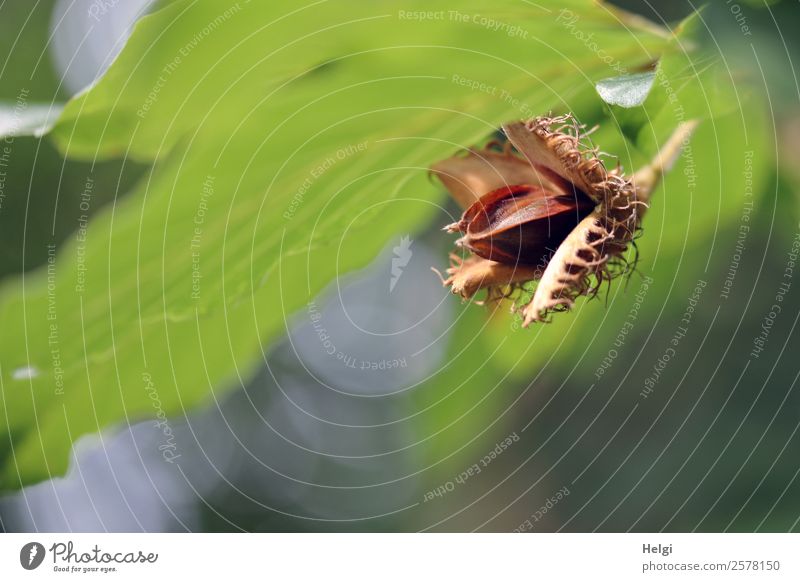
545	209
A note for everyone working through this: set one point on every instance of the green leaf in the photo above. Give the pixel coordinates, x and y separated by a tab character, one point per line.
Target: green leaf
626	91
761	3
288	144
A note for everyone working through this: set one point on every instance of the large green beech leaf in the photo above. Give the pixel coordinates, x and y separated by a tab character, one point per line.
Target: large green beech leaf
288	143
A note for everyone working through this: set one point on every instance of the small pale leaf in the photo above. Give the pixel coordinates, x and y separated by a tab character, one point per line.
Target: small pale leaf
626	91
18	119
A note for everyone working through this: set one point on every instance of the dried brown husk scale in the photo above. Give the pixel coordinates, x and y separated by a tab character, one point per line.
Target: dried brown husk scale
594	250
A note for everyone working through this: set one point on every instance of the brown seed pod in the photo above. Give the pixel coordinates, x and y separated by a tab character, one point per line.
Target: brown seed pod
520	224
549	212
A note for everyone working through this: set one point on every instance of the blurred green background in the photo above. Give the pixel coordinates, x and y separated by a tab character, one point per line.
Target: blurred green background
428	414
